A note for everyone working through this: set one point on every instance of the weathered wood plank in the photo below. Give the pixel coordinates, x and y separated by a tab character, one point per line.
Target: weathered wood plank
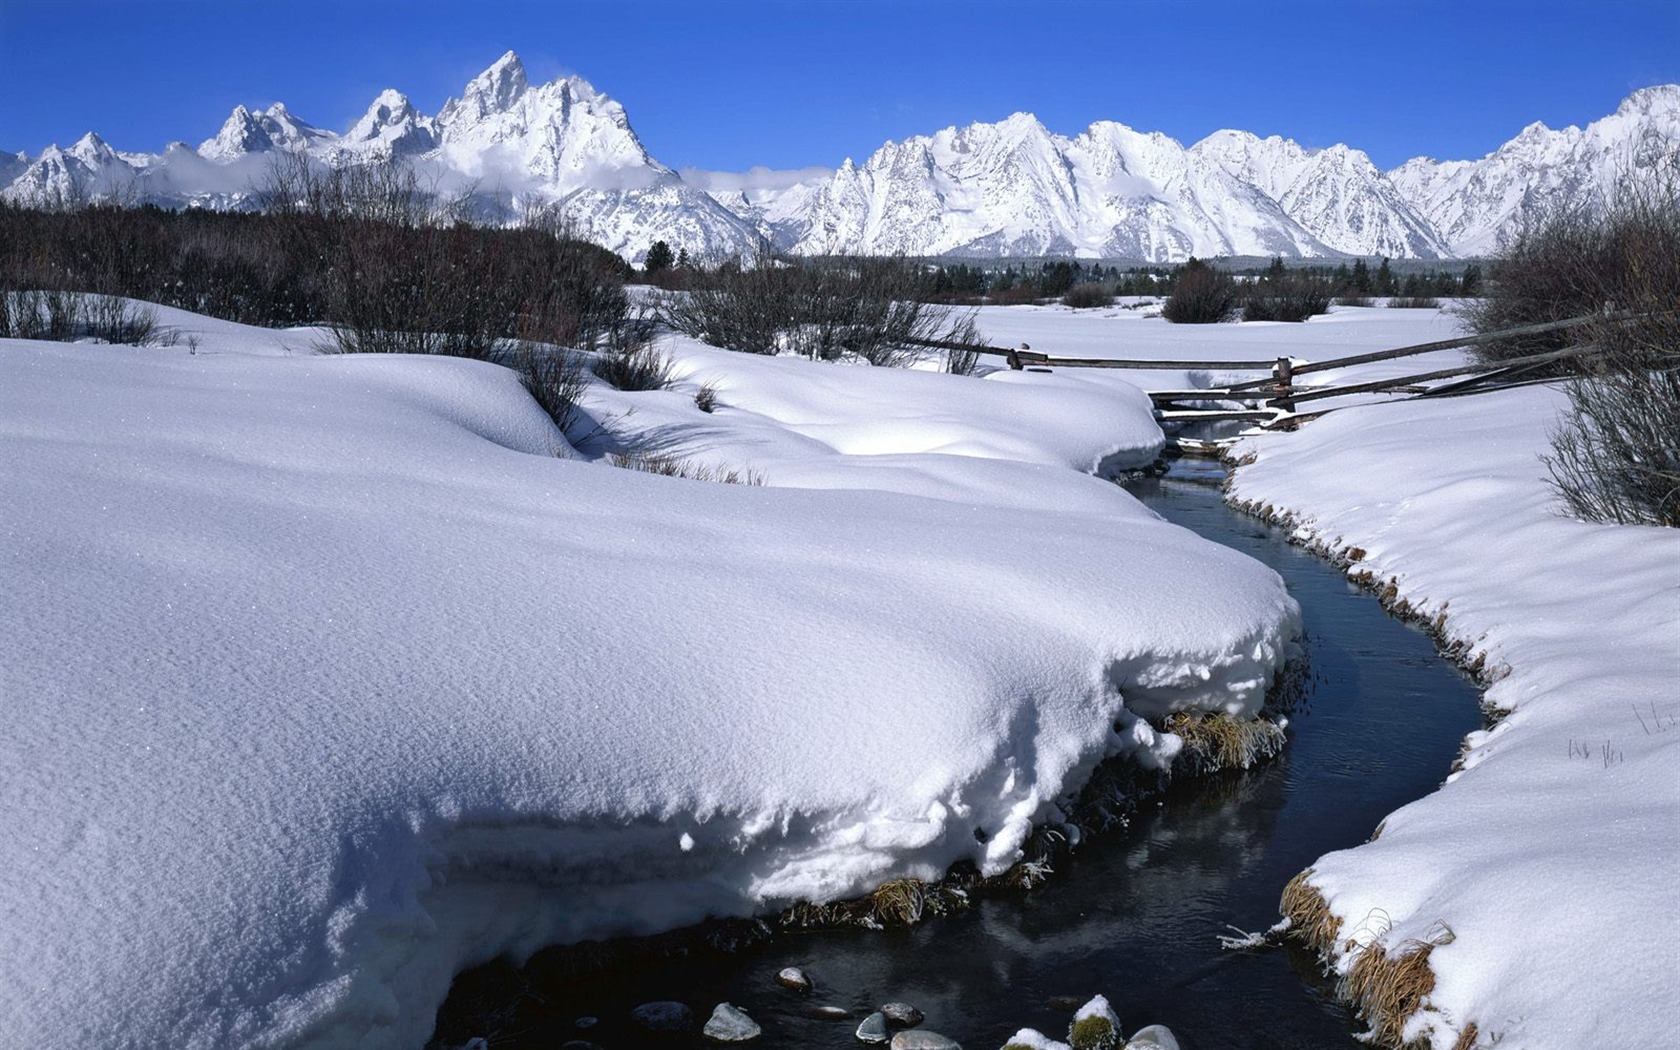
1444	373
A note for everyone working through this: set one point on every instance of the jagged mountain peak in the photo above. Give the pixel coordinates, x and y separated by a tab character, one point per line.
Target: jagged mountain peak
91	146
1664	98
496	90
247	131
1008	187
391	126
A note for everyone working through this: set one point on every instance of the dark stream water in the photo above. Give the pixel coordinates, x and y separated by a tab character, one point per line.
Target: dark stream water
1134	915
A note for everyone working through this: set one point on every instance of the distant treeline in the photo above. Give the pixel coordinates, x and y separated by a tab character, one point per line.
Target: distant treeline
369	255
1052	280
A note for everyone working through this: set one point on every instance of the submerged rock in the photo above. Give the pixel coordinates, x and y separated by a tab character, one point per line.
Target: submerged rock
793	977
665	1017
1155	1037
1095	1026
902	1014
874	1028
728	1024
831	1013
919	1039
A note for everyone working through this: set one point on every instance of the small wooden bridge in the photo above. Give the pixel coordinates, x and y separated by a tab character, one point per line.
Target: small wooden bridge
1272	399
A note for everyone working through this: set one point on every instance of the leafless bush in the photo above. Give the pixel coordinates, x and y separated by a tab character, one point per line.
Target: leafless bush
1088	296
1353	300
830	309
963	362
116	320
1413	302
1285	296
1616	455
1584	261
556	378
64	316
1201	295
630	361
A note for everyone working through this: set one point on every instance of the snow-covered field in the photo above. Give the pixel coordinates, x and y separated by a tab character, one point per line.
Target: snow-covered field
326	677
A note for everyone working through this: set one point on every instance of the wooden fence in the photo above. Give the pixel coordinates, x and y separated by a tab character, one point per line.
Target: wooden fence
1275	395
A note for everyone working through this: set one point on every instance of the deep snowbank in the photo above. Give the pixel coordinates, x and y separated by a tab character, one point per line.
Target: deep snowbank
1551	857
327	677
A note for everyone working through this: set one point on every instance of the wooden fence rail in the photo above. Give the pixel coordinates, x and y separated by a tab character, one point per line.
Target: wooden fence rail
1023	356
1277	392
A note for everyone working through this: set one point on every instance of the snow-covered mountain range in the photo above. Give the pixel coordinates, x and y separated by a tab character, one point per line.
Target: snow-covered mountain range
1011	188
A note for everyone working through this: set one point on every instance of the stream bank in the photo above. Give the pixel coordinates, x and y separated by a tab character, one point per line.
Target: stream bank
1134	915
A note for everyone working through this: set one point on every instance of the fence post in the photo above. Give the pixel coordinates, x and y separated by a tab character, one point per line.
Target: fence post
1283	375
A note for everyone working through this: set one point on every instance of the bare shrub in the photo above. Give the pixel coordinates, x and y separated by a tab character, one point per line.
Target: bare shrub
1621	257
26	314
705	399
1354	300
829	309
1201	295
64	316
116	320
1414	302
1285	296
962	362
1616	455
630	360
1088	296
556	379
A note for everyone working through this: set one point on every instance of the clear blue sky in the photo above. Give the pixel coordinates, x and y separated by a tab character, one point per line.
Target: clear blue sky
730	85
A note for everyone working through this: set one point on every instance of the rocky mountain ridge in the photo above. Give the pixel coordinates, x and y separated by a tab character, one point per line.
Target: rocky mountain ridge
1009	188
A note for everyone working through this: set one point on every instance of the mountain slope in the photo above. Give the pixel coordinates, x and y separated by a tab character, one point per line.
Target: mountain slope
1010	188
1471	203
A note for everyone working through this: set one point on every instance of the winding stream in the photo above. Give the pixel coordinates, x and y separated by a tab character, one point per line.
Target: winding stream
1133	916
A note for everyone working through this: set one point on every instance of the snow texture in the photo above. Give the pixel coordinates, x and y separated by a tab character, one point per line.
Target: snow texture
1551	856
327	677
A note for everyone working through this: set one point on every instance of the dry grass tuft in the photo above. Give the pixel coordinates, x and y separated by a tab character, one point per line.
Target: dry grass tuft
901	902
1022	875
1467	1038
1388	988
1217	742
672	466
1310	919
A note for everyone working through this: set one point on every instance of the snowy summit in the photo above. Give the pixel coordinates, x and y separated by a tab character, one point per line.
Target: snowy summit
1010	188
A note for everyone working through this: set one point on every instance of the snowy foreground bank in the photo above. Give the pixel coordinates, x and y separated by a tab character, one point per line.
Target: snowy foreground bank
328	677
1541	878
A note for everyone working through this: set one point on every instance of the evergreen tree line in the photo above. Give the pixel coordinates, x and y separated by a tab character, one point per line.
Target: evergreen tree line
1052	280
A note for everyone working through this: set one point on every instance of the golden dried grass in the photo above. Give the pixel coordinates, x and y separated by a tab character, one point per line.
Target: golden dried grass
1387	988
1310	919
1217	742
